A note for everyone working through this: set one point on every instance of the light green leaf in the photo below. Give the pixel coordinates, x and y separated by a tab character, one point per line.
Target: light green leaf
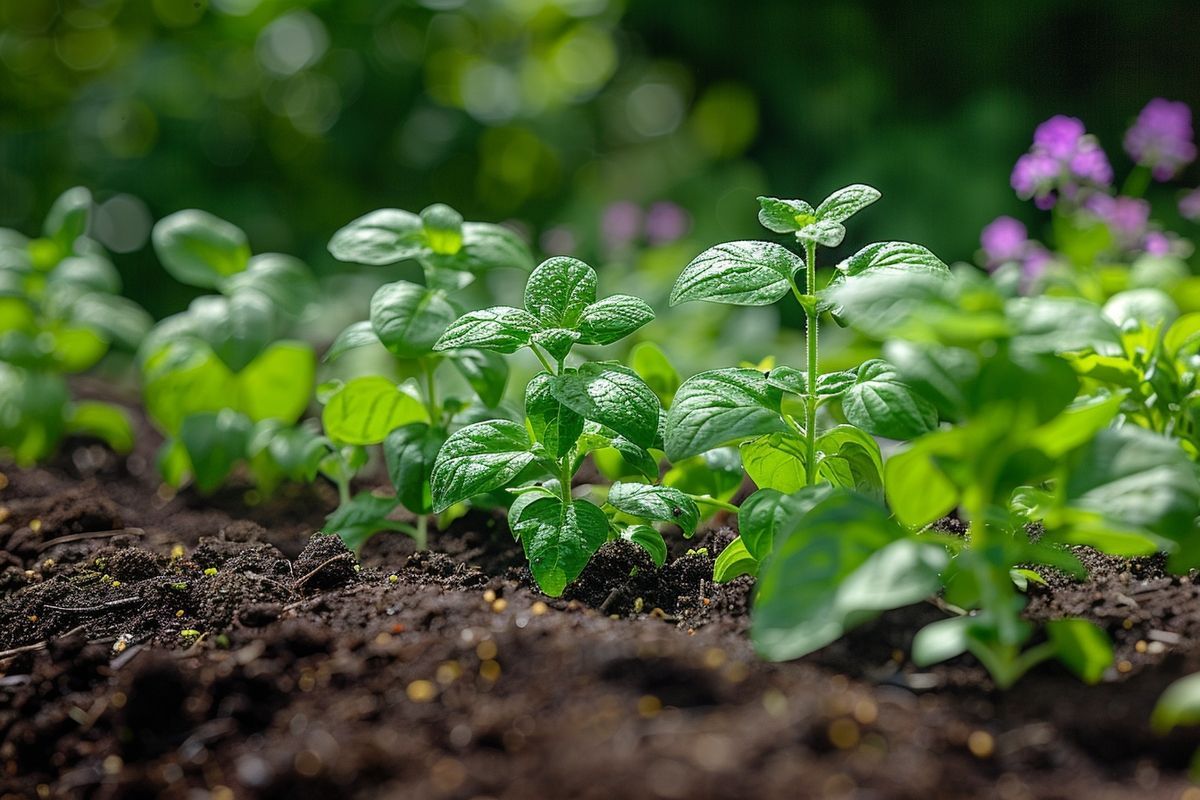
1178	705
279	383
880	403
846	202
825	233
479	458
941	641
613	318
381	237
443	229
650	540
660	503
652	366
409	319
366	409
284	280
784	216
359	334
1083	647
848	457
721	407
743	273
487	246
769	514
67	219
918	491
105	421
501	329
894	258
183	378
614	396
559	539
558	291
776	461
734	561
199	249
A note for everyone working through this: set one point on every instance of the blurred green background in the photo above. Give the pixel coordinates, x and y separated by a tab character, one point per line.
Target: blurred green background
627	133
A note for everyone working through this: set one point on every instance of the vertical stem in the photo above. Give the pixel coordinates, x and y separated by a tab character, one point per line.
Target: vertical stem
343	487
422	536
431	398
810	421
542	358
564	479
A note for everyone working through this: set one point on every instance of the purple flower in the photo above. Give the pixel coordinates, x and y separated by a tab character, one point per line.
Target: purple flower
666	223
1127	218
1062	158
1004	239
1189	205
1161	139
1058	136
620	224
1157	243
1036	262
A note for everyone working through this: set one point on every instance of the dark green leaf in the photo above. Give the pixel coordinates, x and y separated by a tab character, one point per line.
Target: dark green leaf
784	216
558	291
409	319
556	341
486	372
215	443
1082	646
381	237
105	421
501	329
613	318
880	403
768	514
284	280
559	539
364	516
360	334
477	459
661	503
68	217
650	540
721	407
614	396
744	273
733	562
554	424
410	452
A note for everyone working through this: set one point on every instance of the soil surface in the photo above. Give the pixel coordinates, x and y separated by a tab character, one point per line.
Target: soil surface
173	646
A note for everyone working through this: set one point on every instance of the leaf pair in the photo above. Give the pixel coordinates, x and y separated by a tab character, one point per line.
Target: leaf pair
561	310
817	226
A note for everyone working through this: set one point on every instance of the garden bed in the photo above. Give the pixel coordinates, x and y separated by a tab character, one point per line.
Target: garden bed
155	644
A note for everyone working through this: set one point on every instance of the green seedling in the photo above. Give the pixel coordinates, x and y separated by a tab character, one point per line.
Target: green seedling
411	419
60	313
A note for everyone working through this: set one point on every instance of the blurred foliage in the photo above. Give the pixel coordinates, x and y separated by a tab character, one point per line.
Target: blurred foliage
629	134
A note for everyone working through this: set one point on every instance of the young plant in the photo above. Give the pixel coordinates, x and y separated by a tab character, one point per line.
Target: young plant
780	451
570	411
220	382
60	312
1025	446
411	420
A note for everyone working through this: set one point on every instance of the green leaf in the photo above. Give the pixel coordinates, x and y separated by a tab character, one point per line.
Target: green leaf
215	443
942	375
880	403
652	366
615	456
825	233
121	321
92	272
410	452
1082	646
661	503
364	516
1183	334
278	384
553	424
721	407
894	258
846	202
941	641
734	561
743	273
649	540
359	334
443	229
613	318
283	280
366	409
501	329
477	459
614	396
296	450
381	237
784	216
487	246
776	461
556	341
795	381
848	457
76	349
558	291
409	319
67	219
105	421
1178	705
1077	425
1154	307
716	473
1061	324
199	249
183	378
486	372
918	491
172	463
768	514
559	539
845	562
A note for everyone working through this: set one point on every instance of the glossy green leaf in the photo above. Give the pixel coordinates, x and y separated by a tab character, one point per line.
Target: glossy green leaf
880	403
409	319
558	291
366	409
556	341
776	461
443	229
784	216
848	457
215	443
734	561
649	540
744	273
554	424
721	407
846	202
183	378
381	237
660	503
479	458
486	372
825	233
559	539
199	249
410	452
613	318
501	329
67	219
487	246
612	395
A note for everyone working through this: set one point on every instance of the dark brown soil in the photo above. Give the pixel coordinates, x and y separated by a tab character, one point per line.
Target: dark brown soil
184	647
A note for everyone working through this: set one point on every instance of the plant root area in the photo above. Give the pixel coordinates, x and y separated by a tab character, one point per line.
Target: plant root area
174	646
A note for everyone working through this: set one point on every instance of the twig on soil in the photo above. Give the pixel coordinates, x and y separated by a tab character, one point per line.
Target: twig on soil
78	537
121	603
30	648
323	565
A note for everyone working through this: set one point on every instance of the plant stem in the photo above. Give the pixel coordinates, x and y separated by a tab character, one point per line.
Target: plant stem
707	500
564	480
431	398
1137	182
542	358
343	487
810	309
422	533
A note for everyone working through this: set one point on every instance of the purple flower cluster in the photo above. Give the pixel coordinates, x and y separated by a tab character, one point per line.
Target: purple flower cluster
1006	241
662	223
1063	158
1161	139
1189	206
